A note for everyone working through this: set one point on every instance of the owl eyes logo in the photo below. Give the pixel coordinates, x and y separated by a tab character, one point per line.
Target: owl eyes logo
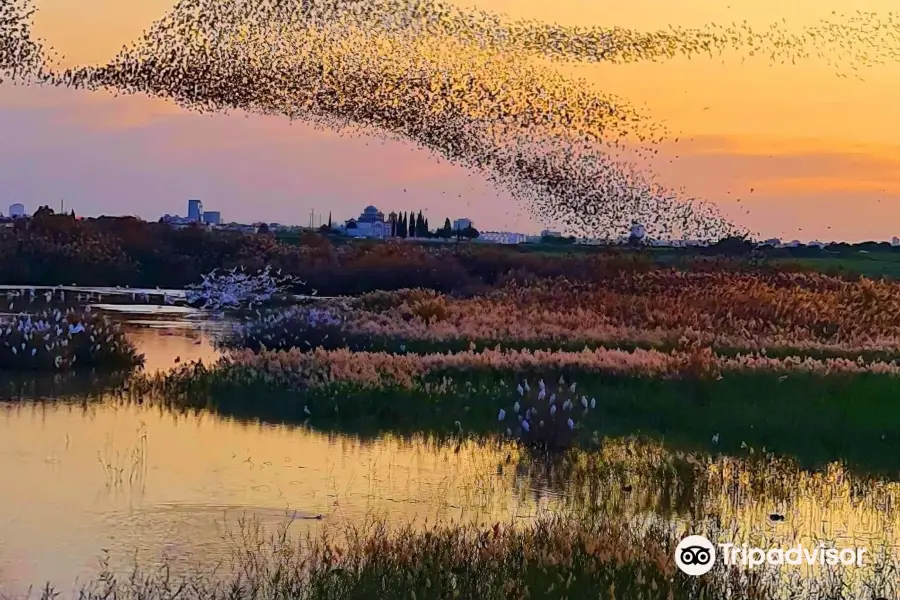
695	555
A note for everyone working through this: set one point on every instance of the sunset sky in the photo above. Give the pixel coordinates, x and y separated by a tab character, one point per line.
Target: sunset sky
819	151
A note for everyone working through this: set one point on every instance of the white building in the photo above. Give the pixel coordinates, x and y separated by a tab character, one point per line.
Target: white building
502	237
16	210
370	224
461	224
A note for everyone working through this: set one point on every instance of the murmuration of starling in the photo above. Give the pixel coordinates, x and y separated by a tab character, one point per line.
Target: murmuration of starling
474	87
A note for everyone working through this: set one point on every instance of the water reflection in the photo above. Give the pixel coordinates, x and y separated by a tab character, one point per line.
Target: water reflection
193	470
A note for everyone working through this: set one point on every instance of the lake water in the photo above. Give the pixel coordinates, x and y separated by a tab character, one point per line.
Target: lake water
145	484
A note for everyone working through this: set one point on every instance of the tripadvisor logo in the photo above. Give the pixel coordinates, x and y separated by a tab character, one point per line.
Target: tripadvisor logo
695	555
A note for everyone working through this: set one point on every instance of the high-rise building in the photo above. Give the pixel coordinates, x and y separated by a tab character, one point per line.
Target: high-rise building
195	210
16	210
212	217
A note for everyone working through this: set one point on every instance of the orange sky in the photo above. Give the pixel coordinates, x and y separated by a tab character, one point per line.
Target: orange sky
818	150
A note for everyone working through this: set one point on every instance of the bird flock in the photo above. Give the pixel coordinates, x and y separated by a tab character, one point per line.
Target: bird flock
237	288
474	87
547	418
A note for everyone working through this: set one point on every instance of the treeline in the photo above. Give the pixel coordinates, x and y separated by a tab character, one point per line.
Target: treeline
51	249
414	225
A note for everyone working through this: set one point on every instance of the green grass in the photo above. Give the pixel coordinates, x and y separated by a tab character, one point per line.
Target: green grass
873	266
815	419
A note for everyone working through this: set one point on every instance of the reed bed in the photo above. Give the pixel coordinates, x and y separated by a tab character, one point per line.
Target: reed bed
562	556
732	312
754	311
298	369
54	340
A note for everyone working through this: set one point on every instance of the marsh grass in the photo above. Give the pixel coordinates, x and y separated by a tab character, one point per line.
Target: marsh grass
57	341
559	556
128	466
287	330
815	419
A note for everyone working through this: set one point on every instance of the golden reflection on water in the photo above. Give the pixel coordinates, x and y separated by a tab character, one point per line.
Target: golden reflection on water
192	471
148	484
161	348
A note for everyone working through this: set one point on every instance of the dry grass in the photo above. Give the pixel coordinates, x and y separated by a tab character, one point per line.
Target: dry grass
727	309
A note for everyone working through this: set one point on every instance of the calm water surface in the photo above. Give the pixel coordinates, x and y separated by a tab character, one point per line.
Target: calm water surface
146	484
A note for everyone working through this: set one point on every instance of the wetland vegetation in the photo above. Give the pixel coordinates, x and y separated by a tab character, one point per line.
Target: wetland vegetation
625	401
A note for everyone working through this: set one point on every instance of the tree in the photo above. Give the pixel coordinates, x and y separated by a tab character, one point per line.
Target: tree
557	240
469	232
446	231
412	225
262	229
329	220
42	213
427	229
421	231
401	226
393	225
735	245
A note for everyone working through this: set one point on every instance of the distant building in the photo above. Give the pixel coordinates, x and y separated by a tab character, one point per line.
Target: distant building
895	241
212	217
195	210
461	224
548	233
637	232
502	237
16	210
370	224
